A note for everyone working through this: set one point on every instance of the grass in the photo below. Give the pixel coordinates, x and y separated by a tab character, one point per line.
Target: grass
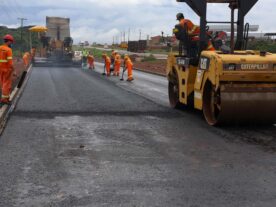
96	53
150	58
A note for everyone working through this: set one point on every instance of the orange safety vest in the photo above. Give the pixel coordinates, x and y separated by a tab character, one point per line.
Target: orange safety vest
107	60
192	29
128	63
118	59
26	59
5	57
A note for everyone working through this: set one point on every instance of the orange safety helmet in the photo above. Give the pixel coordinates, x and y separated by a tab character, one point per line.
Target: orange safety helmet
9	38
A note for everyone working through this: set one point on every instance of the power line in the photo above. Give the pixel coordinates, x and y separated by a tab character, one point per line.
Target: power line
21	30
5	9
13	8
19	7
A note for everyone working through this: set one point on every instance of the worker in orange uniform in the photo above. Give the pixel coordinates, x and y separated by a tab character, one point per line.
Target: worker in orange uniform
107	63
129	67
117	64
90	60
193	30
6	68
26	59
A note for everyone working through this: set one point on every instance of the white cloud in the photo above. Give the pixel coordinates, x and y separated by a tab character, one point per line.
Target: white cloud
100	21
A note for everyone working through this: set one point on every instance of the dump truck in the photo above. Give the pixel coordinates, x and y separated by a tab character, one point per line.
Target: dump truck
231	85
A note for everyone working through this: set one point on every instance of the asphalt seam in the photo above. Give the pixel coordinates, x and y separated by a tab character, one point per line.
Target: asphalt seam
39	114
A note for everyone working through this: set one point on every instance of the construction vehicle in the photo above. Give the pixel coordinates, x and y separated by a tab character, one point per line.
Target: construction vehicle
230	85
124	45
57	43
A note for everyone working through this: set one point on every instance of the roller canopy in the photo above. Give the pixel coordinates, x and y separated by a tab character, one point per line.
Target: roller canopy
199	5
38	29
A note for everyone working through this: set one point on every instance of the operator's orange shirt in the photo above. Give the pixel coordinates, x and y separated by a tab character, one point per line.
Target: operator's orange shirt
192	29
5	57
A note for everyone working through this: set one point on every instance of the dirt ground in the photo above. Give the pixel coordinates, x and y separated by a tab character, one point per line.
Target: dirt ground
155	67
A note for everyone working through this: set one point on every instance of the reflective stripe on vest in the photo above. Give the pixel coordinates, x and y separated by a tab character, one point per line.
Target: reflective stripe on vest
9	58
209	47
3	61
192	30
3	96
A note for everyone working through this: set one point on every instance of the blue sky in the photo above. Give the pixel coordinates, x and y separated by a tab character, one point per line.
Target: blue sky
101	20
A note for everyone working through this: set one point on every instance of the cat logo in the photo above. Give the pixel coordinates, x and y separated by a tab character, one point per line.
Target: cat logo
254	66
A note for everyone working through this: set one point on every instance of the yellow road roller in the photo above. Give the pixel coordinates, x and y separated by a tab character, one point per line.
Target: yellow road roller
231	84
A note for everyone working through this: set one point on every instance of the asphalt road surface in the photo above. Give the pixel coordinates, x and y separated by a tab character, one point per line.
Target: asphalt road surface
80	139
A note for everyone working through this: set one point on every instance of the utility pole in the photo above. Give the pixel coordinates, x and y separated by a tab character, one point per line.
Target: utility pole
140	34
128	34
21	32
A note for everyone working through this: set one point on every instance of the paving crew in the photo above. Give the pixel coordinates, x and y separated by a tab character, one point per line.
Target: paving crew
117	64
129	66
107	63
90	60
193	30
6	68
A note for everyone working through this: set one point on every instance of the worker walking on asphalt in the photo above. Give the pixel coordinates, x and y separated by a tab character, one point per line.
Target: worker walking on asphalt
107	64
6	68
193	30
117	64
90	60
129	66
26	59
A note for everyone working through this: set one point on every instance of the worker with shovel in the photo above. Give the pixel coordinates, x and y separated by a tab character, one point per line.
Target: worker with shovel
117	64
128	65
90	60
107	63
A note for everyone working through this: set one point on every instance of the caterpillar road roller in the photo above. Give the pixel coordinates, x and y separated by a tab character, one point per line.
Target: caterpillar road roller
231	84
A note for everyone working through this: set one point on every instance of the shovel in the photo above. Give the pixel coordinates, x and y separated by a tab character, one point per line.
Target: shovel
123	75
104	71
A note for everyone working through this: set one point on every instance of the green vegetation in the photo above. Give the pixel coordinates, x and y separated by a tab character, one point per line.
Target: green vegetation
96	52
150	58
262	45
25	44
